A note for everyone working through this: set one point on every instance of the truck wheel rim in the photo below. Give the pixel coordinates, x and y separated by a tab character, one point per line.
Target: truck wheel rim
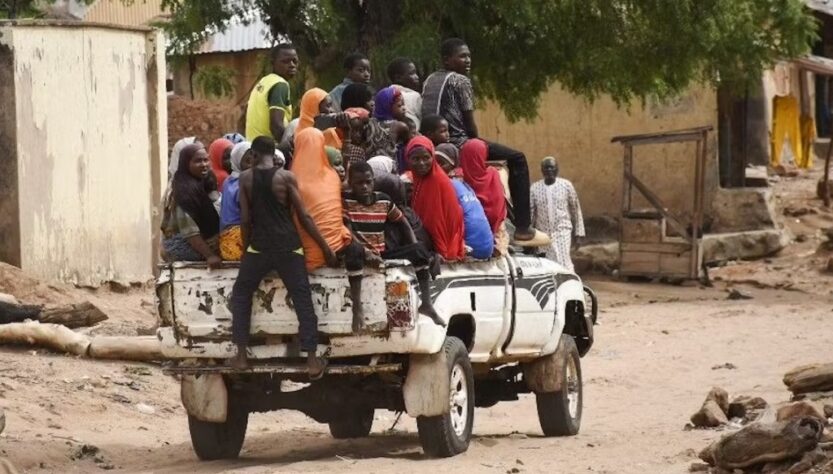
459	400
572	387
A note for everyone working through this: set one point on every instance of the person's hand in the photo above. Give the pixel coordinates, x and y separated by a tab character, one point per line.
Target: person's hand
331	258
372	257
342	121
214	262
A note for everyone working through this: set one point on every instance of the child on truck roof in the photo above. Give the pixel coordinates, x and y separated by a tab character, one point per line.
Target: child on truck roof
367	213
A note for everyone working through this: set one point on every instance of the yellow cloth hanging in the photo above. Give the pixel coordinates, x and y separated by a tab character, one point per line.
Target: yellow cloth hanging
786	125
808	137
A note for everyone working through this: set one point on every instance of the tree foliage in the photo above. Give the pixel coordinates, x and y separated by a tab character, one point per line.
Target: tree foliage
215	81
629	49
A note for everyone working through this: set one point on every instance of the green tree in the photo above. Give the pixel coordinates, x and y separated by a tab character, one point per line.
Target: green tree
629	49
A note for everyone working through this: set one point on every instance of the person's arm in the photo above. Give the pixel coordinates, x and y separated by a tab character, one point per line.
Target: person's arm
189	231
397	216
533	206
306	220
464	93
400	132
278	101
575	213
245	211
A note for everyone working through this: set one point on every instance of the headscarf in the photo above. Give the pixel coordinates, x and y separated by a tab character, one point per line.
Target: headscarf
215	153
485	181
310	103
191	195
320	190
385	99
237	154
234	138
448	152
435	202
381	165
333	155
356	95
173	164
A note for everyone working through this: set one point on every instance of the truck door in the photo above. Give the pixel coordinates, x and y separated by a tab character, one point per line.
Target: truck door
534	306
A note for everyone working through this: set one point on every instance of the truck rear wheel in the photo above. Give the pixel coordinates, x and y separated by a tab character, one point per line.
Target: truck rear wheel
449	434
213	441
355	424
560	412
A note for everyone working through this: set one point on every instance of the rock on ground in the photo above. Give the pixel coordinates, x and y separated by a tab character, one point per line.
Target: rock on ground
714	409
801	409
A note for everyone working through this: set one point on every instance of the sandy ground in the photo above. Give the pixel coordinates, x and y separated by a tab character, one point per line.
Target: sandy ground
657	353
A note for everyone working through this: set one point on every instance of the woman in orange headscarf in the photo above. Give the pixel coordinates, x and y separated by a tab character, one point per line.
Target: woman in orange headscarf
320	189
317	102
435	201
216	152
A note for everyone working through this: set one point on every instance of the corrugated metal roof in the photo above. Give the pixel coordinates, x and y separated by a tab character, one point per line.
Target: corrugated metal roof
239	36
823	6
138	13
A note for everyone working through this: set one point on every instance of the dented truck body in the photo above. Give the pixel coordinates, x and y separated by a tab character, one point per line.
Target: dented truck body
506	318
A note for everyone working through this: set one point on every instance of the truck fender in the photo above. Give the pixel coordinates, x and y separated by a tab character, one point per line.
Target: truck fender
544	375
205	397
425	393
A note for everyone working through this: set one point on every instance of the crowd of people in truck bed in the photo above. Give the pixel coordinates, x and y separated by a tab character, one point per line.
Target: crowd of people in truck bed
355	179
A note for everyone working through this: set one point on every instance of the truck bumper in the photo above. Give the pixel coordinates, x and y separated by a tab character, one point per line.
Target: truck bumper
425	338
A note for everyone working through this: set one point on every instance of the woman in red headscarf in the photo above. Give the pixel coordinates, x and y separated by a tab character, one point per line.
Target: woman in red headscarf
216	151
435	201
484	181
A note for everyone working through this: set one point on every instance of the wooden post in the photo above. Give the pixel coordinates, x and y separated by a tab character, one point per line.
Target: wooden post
825	192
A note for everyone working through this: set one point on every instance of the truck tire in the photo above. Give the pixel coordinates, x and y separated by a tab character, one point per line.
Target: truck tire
560	412
212	441
449	434
356	424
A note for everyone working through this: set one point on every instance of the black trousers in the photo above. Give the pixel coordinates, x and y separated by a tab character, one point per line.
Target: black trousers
518	181
416	253
291	267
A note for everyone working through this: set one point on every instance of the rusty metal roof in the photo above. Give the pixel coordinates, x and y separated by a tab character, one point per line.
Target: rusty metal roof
240	35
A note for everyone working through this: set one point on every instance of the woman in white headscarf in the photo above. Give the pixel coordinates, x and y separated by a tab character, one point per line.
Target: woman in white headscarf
231	239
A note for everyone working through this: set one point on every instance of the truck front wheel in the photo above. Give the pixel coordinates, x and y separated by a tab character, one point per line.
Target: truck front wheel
449	434
356	423
213	441
560	412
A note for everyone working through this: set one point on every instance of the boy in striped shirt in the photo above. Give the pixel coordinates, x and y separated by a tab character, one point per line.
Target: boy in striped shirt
367	214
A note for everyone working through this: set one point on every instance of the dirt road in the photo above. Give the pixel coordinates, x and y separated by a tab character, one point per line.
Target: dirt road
650	369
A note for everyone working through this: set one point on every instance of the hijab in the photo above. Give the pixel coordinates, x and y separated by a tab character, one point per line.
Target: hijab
191	194
435	202
215	153
310	108
381	165
237	154
391	185
385	99
320	190
173	164
485	181
234	138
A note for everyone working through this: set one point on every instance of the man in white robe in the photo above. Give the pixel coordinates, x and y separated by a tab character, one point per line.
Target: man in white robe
556	211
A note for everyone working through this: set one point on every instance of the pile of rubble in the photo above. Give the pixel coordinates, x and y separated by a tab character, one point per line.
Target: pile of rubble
787	438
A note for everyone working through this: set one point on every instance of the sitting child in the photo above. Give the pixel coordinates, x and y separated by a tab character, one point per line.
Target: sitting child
366	213
477	231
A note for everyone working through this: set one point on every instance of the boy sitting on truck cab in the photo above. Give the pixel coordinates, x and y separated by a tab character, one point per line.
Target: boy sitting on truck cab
366	212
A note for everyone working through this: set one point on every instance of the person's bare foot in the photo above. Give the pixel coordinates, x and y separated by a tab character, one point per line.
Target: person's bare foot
239	361
524	234
316	366
358	320
428	310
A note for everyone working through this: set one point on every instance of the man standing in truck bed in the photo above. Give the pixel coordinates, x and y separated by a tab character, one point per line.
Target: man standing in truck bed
268	197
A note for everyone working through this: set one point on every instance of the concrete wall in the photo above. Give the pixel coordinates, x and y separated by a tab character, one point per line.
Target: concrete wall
579	132
86	126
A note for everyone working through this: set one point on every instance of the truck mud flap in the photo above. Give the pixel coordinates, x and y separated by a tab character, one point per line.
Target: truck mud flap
205	397
424	392
544	375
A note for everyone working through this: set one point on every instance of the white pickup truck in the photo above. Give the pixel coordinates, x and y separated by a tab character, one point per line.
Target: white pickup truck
516	324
